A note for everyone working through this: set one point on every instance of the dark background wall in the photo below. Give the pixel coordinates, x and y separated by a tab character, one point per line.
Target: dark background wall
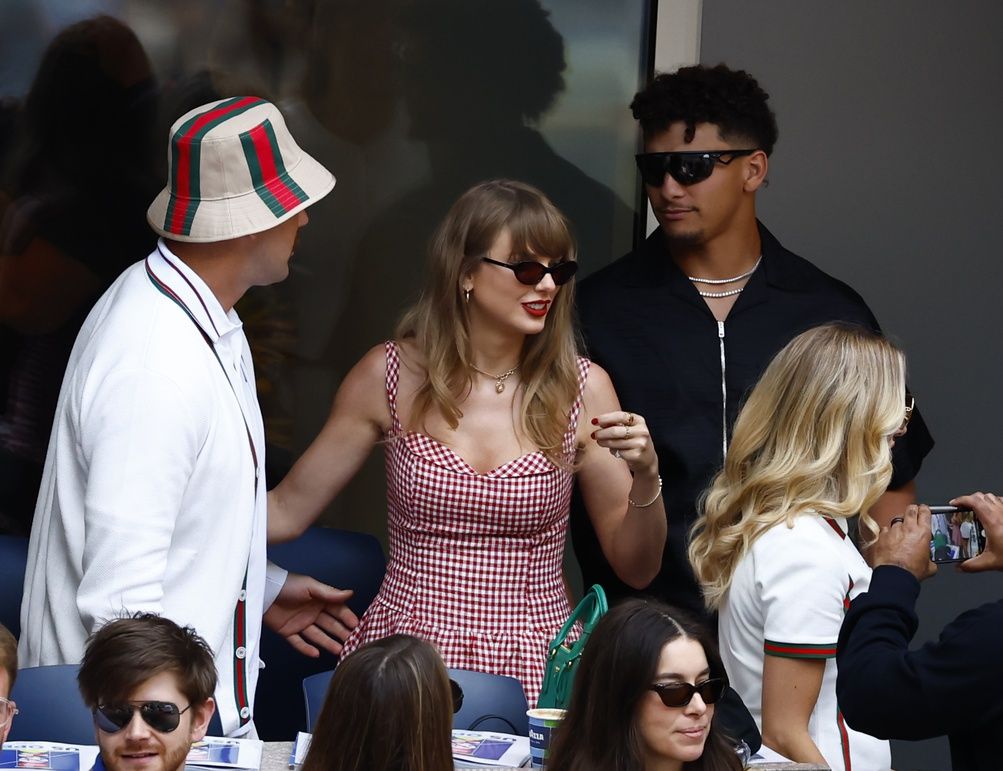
886	176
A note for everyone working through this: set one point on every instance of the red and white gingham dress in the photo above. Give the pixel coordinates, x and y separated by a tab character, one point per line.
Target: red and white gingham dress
475	559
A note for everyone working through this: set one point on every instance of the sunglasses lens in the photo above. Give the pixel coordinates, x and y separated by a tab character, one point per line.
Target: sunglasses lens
677	695
653	168
457	694
690	169
711	690
564	272
161	716
686	169
529	272
112	717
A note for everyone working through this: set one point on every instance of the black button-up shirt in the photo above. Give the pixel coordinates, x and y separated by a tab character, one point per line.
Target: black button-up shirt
646	324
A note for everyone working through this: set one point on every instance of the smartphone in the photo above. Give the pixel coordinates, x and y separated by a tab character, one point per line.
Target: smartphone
956	534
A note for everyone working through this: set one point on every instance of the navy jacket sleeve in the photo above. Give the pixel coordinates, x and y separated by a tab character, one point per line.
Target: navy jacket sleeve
947	686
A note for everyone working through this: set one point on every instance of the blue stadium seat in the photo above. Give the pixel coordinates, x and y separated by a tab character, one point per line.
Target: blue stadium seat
49	707
13	557
341	558
490	703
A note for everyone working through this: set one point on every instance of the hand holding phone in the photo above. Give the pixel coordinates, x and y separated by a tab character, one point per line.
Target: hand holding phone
989	512
906	543
955	534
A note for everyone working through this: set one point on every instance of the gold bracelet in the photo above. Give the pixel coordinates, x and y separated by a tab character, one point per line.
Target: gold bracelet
649	503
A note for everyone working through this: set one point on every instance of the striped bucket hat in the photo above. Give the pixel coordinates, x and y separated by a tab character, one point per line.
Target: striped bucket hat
234	169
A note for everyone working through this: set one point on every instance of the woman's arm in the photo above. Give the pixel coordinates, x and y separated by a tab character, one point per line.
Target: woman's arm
790	690
632	535
359	417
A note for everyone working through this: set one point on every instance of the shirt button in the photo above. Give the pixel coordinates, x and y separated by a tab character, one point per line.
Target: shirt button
242	596
240	652
245	712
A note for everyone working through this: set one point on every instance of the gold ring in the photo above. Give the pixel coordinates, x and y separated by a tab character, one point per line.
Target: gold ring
630	418
626	432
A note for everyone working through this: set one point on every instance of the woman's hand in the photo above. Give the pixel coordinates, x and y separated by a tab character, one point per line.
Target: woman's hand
626	436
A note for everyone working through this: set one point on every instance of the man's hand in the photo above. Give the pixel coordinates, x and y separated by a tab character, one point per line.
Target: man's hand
307	611
989	509
906	543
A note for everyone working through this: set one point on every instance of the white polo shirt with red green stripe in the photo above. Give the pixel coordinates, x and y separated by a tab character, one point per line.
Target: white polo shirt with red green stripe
787	598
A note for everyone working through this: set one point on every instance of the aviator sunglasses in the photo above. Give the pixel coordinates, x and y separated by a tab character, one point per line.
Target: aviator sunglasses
686	168
162	716
680	694
531	272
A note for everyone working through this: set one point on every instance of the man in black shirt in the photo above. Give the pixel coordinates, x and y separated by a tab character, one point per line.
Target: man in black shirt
686	323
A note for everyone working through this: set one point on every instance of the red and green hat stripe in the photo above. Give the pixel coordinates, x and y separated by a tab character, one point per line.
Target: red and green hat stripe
798	650
268	173
186	155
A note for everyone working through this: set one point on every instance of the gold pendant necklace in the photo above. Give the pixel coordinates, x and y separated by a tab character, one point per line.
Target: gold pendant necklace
499	379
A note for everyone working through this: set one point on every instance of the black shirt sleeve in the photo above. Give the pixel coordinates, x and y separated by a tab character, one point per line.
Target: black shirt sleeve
946	687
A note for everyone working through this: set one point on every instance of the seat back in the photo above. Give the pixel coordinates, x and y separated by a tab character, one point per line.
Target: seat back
343	559
50	708
13	558
490	703
314	691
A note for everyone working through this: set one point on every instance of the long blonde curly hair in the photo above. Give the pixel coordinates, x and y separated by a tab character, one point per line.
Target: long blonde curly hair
439	325
813	435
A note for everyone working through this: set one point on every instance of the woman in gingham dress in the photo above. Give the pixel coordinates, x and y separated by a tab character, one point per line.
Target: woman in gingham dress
486	414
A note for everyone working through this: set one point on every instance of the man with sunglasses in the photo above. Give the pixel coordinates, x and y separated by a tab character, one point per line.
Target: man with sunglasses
149	684
8	673
686	323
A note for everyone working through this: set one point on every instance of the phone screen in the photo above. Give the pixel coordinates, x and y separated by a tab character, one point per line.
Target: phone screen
956	534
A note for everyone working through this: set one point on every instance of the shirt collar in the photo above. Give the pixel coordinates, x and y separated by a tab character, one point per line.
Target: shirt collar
657	267
189	288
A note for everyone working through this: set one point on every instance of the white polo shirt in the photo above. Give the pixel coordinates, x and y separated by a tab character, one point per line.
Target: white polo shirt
149	500
787	598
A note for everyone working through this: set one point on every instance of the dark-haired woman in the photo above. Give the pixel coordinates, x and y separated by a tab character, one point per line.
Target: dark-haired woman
389	708
487	416
645	696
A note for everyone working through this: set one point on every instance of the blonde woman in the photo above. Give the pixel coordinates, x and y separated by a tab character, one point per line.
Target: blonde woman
486	414
810	449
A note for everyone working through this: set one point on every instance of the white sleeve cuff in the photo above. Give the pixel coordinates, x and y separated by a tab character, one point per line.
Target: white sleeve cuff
275	578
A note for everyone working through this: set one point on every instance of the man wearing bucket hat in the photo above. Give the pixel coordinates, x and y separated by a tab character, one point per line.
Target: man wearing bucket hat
153	495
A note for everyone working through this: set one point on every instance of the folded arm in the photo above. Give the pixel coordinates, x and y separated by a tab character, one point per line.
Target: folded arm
622	493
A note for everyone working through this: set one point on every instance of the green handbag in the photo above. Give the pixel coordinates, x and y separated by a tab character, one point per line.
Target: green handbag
562	658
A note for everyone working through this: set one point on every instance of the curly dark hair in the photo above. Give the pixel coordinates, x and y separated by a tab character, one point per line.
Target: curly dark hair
730	99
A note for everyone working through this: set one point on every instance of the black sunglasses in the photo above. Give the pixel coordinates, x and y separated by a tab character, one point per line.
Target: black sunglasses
680	694
686	168
532	272
457	694
162	716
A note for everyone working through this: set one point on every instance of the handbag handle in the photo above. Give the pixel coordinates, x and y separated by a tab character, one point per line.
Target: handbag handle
593	606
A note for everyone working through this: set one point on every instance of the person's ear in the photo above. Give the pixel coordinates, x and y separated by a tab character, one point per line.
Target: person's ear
756	166
201	715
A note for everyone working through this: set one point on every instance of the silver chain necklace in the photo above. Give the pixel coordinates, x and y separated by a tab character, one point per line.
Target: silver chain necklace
719	281
499	379
747	273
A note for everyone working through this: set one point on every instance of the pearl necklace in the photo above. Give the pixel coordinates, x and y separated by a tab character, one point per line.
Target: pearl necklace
499	379
729	293
719	281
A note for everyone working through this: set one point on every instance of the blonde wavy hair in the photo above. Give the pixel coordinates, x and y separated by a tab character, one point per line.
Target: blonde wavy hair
439	324
812	435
